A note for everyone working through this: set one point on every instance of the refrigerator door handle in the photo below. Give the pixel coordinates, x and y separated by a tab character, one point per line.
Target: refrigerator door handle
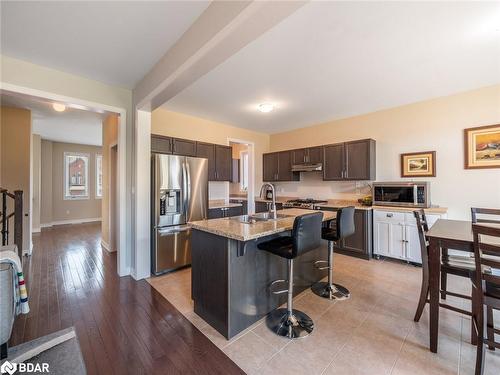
188	190
174	230
184	190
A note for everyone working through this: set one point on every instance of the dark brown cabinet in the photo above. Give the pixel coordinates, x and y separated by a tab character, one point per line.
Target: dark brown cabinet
277	166
265	206
360	243
312	155
161	144
223	163
219	156
333	164
183	147
207	151
350	161
360	160
217	213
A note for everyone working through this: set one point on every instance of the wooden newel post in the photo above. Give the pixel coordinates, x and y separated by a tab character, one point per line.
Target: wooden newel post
18	221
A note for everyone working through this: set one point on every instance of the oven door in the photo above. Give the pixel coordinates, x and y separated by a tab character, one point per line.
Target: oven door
395	195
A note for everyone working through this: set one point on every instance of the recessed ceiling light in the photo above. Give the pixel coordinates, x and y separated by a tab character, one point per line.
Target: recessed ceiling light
59	107
266	107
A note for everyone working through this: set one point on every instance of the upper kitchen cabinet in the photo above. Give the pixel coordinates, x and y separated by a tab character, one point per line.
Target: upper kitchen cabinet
270	167
360	160
277	166
223	163
161	144
183	147
219	156
312	155
333	165
350	161
207	151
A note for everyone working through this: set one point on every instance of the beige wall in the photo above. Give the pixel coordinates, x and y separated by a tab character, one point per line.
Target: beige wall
15	156
183	126
36	181
436	124
67	210
109	138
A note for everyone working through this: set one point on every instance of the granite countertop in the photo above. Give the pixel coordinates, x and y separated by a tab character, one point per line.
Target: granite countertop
430	210
232	228
337	203
221	203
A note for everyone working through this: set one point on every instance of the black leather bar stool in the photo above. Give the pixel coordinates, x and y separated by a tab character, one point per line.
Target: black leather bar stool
306	236
342	227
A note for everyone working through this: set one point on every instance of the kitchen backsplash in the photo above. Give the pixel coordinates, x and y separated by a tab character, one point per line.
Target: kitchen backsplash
218	190
311	185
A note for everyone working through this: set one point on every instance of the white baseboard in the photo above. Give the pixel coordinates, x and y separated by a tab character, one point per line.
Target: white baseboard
66	222
36	230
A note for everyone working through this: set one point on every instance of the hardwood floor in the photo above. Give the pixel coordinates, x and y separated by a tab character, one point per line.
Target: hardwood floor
123	325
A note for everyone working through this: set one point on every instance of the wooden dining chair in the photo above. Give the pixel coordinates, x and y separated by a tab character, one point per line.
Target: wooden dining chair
456	265
486	285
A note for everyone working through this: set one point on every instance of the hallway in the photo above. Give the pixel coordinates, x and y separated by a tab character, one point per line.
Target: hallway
123	325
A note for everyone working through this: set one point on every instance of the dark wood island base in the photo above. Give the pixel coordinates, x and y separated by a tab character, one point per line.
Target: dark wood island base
231	278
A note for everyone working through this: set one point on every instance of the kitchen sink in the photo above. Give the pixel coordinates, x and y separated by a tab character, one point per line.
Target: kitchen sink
255	218
268	216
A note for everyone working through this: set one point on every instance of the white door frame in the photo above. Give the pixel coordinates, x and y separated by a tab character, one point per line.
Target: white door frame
251	172
123	263
113	214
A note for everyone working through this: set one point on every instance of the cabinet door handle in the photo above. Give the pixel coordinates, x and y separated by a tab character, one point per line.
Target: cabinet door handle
389	215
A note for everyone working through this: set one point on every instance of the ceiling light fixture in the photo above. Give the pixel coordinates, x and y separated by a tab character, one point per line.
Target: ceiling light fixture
59	107
266	107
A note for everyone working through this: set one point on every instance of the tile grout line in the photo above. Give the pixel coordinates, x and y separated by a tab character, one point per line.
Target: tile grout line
401	348
342	347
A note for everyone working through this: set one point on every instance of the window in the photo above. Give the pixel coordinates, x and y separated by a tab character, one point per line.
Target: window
76	176
244	170
98	176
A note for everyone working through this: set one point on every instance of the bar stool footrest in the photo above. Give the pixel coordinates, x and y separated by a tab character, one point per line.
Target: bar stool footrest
277	291
333	292
321	268
293	326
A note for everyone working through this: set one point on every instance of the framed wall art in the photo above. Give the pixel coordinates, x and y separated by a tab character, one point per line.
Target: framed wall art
482	147
418	164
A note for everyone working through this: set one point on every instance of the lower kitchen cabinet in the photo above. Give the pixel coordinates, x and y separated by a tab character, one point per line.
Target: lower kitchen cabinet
244	205
264	206
395	234
360	243
217	213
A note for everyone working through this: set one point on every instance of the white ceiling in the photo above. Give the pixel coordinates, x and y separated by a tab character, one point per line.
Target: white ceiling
337	59
116	42
71	126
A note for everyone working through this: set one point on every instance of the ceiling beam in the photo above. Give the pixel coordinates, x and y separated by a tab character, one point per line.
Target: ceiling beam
222	30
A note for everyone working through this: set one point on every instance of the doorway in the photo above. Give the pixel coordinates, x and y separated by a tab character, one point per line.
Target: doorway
243	181
64	139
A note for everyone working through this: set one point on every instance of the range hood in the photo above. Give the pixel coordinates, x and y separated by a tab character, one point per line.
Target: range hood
307	167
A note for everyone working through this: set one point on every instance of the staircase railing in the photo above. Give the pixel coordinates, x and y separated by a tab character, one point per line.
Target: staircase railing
17	215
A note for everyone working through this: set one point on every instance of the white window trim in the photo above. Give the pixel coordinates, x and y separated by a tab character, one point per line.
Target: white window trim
65	180
96	177
242	153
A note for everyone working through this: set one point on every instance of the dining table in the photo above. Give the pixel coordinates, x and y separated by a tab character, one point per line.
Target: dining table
444	234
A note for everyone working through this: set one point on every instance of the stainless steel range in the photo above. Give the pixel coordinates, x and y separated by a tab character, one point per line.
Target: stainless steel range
308	203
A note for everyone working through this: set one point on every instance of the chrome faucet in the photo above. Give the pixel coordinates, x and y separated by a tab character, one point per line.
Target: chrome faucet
274	216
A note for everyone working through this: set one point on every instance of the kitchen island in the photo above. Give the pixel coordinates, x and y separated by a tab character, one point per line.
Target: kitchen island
231	276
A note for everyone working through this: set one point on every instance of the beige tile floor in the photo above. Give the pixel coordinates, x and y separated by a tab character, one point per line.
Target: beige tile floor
371	333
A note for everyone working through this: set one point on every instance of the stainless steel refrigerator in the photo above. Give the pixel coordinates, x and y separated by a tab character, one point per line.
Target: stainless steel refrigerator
179	195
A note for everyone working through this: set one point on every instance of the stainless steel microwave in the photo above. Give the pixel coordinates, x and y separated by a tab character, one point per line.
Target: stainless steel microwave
405	194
